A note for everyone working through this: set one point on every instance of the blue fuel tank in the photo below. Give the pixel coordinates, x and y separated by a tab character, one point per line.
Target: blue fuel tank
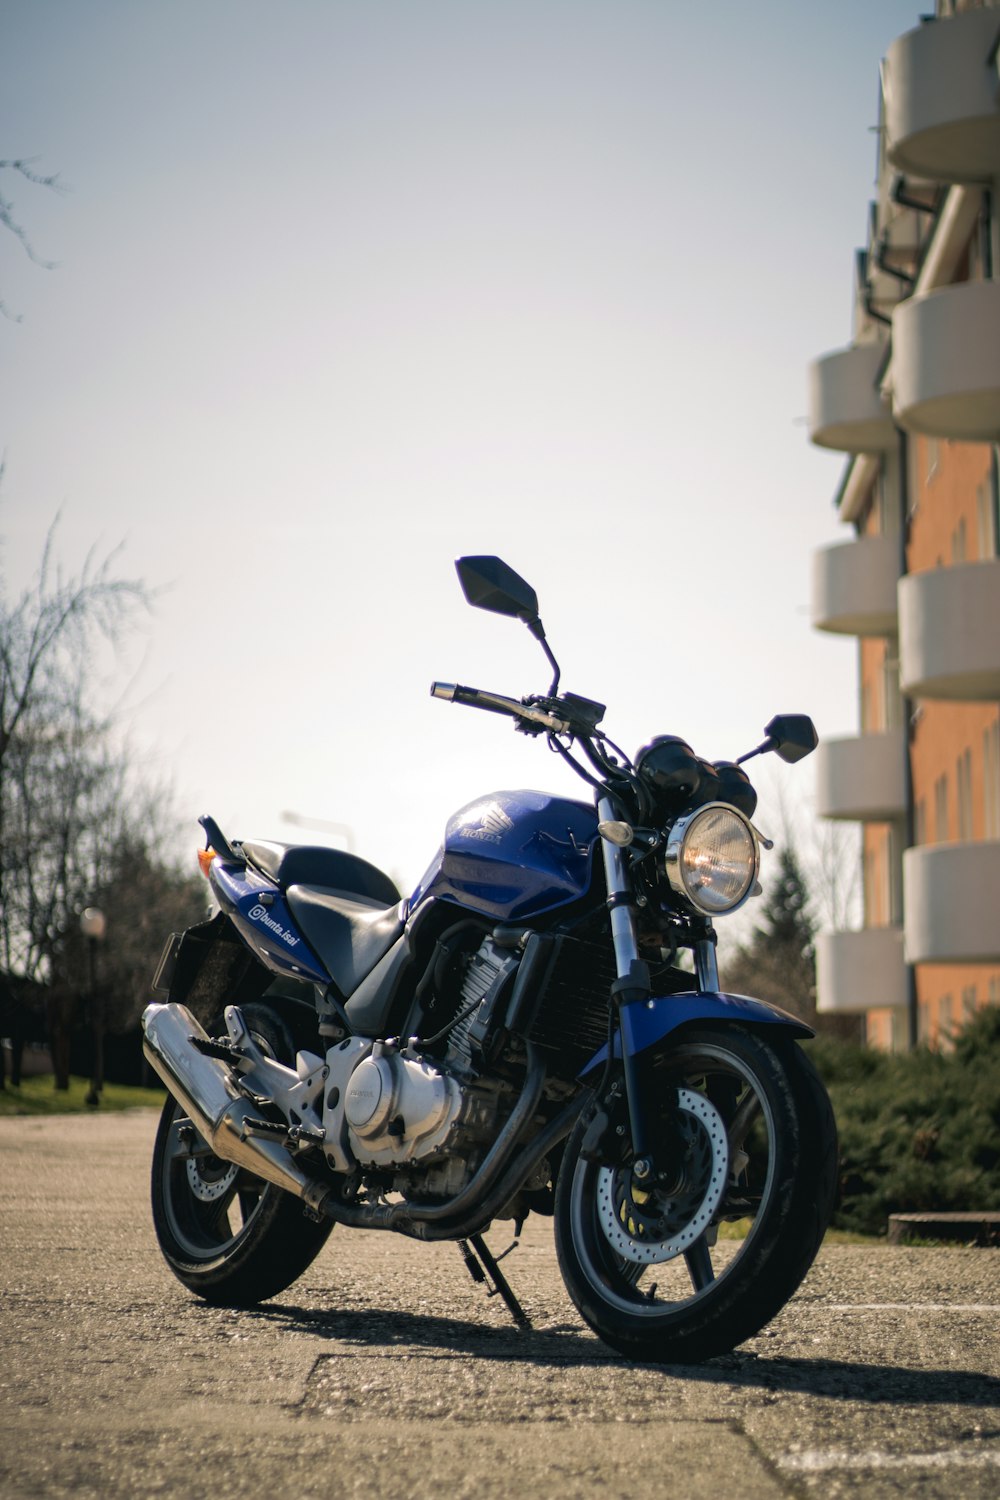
514	856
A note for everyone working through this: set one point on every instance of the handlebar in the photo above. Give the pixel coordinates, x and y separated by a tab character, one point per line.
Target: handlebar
496	703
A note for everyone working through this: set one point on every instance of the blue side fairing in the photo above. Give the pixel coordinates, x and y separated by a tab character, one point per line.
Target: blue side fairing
262	918
514	855
647	1022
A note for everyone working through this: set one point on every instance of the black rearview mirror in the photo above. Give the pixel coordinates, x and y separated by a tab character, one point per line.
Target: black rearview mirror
792	736
488	583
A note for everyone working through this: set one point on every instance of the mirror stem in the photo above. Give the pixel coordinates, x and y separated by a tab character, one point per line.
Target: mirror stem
535	626
761	749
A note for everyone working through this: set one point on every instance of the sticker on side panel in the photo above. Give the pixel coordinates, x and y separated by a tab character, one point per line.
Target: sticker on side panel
259	914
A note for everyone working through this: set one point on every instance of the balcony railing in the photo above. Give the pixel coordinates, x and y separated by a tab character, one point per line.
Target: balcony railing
862	779
941	110
858	971
846	408
951	903
946	362
949	633
854	586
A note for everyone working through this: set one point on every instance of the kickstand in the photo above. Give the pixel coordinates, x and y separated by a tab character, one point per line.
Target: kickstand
482	1266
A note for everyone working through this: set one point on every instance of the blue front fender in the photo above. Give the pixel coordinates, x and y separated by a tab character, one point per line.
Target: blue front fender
646	1022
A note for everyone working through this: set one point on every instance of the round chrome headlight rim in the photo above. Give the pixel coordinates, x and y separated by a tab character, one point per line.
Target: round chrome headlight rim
714	867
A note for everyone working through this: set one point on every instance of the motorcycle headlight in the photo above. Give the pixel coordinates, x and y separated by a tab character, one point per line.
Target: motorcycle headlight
712	858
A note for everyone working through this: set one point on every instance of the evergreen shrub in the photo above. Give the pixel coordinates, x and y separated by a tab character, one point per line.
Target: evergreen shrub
919	1131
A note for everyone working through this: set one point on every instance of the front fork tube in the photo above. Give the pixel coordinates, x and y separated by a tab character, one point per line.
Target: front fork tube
650	1134
706	965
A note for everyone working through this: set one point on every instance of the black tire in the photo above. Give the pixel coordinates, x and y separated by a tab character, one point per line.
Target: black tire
230	1237
694	1295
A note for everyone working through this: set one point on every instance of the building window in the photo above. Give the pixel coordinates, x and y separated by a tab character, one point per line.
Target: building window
968	1002
893	876
991	781
959	543
923	1020
892	699
941	810
963	794
986	520
945	1027
900	1031
920	822
868	888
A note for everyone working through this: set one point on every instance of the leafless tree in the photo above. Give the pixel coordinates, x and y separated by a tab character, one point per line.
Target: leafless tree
23	168
55	765
811	883
76	827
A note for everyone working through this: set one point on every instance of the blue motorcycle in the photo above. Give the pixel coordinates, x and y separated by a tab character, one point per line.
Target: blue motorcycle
538	1028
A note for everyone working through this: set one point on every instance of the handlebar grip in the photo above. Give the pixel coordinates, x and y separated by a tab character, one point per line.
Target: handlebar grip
496	703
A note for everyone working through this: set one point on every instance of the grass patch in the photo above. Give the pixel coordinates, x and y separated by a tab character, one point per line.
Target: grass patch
38	1095
851	1237
740	1228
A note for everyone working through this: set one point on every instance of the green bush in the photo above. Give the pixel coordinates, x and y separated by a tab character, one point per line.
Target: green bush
919	1132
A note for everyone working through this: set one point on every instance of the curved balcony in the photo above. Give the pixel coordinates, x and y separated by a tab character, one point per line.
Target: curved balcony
862	779
949	633
858	971
941	112
900	238
846	409
951	894
946	362
854	586
894	244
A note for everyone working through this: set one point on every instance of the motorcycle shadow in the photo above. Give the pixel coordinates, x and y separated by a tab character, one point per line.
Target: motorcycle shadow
378	1328
563	1344
850	1380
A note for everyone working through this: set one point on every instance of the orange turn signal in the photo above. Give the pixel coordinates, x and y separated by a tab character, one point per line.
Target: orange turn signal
205	857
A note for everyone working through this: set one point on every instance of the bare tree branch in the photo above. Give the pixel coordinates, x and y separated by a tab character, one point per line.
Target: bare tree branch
22	166
59	781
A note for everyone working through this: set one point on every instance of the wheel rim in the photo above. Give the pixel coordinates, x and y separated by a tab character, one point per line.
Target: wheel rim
676	1255
647	1226
209	1204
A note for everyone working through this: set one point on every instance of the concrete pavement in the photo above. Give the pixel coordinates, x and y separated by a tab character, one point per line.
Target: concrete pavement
385	1369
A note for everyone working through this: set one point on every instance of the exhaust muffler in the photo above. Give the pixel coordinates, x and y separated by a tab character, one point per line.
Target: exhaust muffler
201	1085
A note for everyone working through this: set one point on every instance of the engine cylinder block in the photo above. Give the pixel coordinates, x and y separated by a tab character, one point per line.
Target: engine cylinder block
399	1108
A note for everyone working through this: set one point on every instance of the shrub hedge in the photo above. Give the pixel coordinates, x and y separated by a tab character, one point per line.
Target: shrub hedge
920	1131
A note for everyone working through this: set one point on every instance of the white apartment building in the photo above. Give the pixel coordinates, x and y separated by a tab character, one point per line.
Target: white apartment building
914	402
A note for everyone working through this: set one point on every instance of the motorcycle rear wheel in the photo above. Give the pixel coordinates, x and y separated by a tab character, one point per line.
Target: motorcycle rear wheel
646	1264
230	1237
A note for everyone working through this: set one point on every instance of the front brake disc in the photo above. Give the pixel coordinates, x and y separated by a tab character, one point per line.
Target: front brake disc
643	1223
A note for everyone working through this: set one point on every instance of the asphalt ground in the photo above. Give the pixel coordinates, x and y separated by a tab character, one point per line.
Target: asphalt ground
385	1370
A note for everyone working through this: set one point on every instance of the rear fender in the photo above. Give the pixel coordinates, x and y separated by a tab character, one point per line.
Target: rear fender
644	1023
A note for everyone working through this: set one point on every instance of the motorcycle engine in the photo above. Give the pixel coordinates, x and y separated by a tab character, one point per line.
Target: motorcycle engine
402	1108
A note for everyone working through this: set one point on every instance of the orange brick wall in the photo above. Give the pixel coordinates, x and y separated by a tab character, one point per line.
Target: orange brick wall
944	480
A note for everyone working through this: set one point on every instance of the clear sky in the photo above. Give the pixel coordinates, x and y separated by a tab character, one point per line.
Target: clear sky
349	287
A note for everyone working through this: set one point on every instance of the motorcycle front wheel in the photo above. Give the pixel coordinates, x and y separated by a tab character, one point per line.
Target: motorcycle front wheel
230	1237
688	1263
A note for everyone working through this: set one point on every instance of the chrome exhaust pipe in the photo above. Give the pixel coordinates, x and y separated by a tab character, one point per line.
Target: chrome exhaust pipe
201	1085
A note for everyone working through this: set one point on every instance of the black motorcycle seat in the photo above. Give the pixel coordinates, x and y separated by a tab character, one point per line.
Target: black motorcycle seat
349	934
315	864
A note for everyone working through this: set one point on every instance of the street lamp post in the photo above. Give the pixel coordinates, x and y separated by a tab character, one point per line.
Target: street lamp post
94	925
